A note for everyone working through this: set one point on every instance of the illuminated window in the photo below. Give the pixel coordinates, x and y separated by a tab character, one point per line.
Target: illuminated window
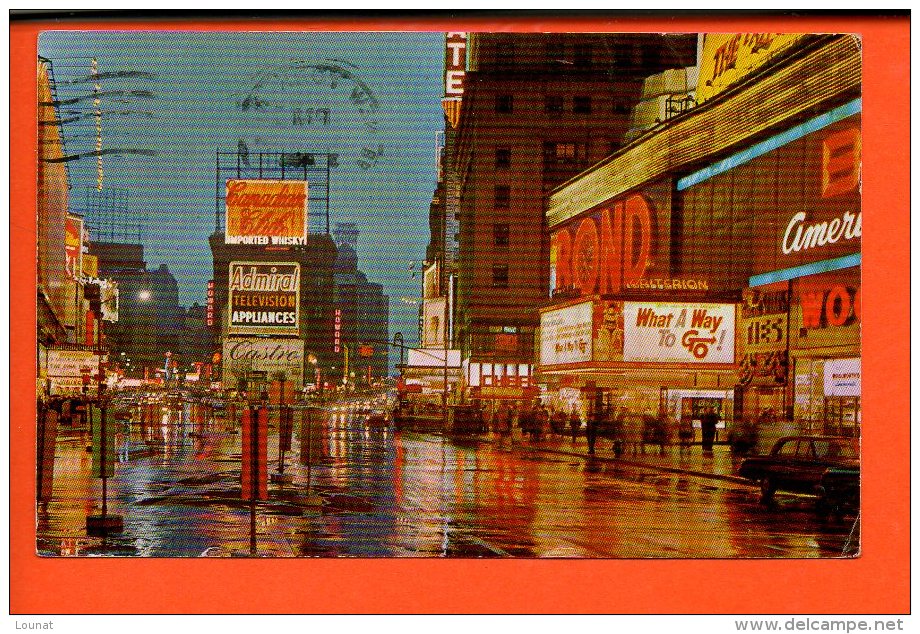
564	154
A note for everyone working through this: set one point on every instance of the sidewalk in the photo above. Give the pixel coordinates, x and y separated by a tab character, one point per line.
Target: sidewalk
721	465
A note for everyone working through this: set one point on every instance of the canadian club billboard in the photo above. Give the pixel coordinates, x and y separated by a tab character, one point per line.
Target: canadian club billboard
264	298
266	212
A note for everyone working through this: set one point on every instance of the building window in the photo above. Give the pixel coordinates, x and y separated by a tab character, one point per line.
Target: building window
500	276
583	56
623	55
582	105
563	154
504	104
502	196
501	231
553	104
504	54
502	158
620	106
555	55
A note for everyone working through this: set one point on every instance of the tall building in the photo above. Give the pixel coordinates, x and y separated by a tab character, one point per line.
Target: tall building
362	313
715	261
315	323
197	339
150	320
536	110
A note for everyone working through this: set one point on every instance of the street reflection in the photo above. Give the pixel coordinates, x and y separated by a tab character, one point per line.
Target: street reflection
404	494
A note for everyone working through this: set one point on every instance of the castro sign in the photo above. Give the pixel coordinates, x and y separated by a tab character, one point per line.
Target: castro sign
242	355
264	298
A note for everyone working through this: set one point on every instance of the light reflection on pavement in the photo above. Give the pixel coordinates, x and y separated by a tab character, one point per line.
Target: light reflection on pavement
406	494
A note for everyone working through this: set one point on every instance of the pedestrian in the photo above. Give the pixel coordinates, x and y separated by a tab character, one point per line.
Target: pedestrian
618	431
574	423
708	422
685	434
591	428
541	422
632	432
525	421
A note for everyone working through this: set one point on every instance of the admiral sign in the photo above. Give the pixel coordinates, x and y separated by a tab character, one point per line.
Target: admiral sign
266	212
264	298
679	332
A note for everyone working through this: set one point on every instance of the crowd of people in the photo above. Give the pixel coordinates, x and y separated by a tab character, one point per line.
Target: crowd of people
629	433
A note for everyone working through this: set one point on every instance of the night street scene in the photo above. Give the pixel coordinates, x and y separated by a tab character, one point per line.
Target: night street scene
448	294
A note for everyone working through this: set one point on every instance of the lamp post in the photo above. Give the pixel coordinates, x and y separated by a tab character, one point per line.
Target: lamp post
102	524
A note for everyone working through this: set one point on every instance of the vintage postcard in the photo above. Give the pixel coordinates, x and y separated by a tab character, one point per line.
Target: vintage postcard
437	291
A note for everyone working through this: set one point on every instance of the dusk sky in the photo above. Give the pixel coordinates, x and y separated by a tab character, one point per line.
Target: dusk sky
177	95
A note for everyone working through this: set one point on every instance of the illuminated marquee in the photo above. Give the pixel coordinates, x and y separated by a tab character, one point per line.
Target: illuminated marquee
264	298
605	252
266	212
727	58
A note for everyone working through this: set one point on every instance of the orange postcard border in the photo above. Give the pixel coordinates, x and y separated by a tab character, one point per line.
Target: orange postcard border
878	582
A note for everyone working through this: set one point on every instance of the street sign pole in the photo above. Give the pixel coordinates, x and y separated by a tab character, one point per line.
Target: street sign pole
254	476
104	524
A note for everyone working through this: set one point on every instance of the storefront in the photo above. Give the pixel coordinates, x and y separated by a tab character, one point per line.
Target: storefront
793	241
639	357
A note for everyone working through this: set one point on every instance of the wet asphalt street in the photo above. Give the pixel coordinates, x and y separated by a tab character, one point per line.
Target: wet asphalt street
380	493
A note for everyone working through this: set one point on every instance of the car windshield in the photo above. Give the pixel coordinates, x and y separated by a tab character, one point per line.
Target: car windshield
832	449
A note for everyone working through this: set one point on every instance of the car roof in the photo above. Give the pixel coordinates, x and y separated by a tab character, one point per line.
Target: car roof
807	437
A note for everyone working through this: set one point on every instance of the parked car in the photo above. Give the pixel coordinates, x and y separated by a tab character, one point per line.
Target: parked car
799	463
838	492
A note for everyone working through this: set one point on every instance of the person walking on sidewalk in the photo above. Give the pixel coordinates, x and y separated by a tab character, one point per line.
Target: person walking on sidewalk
632	432
685	434
574	423
591	428
708	422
